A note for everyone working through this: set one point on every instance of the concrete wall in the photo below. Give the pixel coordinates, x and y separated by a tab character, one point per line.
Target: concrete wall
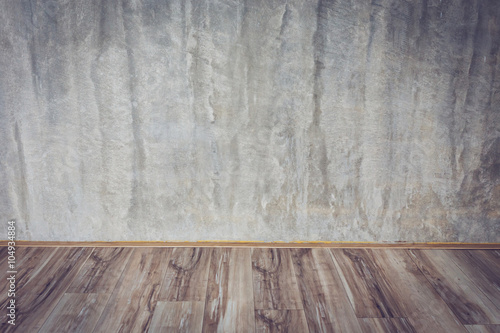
250	120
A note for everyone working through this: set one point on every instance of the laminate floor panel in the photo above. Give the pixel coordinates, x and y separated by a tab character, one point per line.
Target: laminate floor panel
273	321
44	287
229	304
185	317
483	328
75	313
133	301
370	293
463	297
421	304
187	274
382	325
326	305
482	267
101	271
274	282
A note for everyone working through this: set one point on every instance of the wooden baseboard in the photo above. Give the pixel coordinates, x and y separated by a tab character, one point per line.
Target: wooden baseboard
298	244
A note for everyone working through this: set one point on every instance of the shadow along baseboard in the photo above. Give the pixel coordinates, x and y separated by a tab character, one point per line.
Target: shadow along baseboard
297	244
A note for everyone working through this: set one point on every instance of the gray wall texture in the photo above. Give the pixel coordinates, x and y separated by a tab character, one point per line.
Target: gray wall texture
250	120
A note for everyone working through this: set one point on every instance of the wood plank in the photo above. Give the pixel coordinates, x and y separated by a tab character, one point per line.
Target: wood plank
177	317
101	271
370	294
187	275
483	328
47	275
217	290
382	325
44	288
229	303
252	244
326	305
274	282
468	303
482	267
29	262
426	311
493	254
75	313
4	267
3	255
133	301
274	321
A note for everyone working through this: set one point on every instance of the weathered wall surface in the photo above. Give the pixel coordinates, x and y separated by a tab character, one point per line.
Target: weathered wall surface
250	120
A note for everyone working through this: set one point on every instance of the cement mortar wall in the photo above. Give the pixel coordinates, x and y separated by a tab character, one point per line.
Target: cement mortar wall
250	120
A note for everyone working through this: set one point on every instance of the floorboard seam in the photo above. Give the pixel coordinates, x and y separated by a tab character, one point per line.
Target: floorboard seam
437	292
68	285
112	291
206	290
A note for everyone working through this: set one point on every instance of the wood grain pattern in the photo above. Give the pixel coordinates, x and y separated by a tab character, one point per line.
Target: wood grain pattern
483	328
274	282
468	303
3	255
327	281
187	274
44	288
4	266
250	244
47	277
75	313
133	301
325	302
370	294
382	325
426	311
229	303
29	262
217	290
101	271
483	269
177	317
274	321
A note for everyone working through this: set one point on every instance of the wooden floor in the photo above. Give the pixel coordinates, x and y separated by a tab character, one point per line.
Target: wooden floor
253	290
